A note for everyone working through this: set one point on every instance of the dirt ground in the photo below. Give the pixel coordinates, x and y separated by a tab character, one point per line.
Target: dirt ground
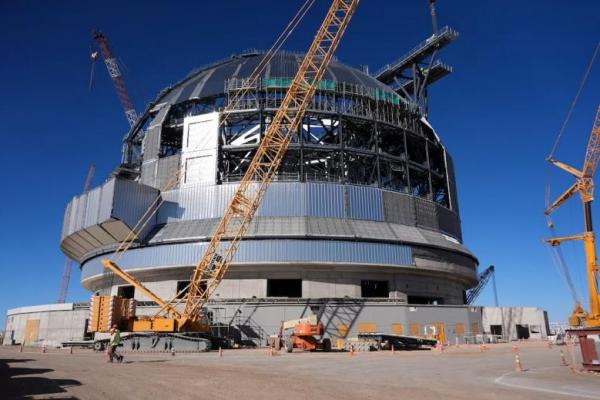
464	373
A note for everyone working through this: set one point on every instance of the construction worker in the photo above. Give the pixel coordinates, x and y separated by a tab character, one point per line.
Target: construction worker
115	341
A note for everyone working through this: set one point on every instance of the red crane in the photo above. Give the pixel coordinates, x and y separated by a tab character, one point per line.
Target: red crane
66	275
115	74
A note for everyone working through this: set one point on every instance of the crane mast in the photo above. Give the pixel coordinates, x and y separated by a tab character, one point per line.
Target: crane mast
227	237
115	75
584	184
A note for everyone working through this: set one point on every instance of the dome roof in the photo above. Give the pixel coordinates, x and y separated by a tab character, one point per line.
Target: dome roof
210	81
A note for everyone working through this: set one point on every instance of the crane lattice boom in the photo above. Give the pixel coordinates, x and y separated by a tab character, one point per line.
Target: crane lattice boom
115	74
220	252
592	154
226	239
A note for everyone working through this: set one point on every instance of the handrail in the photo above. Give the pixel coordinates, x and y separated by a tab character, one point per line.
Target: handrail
415	50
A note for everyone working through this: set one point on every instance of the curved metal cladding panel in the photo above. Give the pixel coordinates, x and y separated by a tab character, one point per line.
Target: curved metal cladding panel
313	228
104	216
365	203
89	209
281	199
326	200
263	251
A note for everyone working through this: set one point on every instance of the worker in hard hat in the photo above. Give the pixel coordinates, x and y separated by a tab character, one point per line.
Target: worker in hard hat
115	341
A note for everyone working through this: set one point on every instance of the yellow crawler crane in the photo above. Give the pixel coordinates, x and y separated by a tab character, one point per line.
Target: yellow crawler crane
225	241
586	324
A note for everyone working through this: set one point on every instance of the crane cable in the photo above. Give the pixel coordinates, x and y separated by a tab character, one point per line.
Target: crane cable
575	100
172	183
555	251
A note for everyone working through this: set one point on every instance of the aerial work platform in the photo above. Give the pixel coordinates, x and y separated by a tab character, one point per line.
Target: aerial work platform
434	73
411	74
418	54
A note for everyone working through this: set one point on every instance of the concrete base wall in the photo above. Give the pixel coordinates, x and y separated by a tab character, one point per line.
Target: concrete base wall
254	320
57	323
338	282
532	321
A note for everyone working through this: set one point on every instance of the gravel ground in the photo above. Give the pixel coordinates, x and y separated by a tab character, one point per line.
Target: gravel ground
464	373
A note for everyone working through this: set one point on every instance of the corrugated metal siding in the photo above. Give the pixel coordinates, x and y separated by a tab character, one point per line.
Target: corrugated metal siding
408	234
307	227
365	203
89	209
131	200
106	201
302	199
324	200
192	202
449	222
426	212
399	208
148	175
282	199
152	137
328	227
438	240
92	206
167	168
293	199
371	230
116	199
296	251
80	213
66	221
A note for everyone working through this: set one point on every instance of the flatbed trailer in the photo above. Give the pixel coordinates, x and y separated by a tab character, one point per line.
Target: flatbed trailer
383	341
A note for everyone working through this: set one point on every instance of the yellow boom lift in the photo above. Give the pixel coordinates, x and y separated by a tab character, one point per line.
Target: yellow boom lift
226	239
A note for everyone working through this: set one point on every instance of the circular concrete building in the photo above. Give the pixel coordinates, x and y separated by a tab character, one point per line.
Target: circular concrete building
363	206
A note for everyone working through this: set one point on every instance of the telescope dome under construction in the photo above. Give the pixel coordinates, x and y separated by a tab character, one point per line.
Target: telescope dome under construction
364	204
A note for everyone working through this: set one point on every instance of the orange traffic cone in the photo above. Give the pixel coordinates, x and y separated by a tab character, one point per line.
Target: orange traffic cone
563	361
518	367
515	349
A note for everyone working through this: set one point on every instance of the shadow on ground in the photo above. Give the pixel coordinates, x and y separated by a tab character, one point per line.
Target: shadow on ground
16	384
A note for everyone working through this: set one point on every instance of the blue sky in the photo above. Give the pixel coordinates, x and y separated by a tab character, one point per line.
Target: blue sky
516	69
